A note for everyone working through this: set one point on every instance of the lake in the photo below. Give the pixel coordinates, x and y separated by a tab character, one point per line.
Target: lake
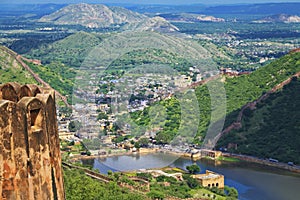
253	181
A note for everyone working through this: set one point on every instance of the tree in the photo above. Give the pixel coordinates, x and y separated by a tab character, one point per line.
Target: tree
101	116
231	192
137	145
156	194
191	182
144	142
88	153
74	126
193	169
144	175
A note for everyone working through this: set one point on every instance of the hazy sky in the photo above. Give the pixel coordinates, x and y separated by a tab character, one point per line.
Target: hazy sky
182	2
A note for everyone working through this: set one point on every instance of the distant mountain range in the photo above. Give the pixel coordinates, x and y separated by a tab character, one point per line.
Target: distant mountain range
196	8
250	9
131	13
35	10
279	18
255	9
99	16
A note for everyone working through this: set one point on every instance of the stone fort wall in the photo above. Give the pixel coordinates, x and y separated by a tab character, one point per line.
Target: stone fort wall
30	160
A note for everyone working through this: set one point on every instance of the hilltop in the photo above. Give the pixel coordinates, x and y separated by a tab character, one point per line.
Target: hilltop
157	23
255	9
92	16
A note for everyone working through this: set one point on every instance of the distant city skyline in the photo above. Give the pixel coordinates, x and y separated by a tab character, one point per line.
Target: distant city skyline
168	2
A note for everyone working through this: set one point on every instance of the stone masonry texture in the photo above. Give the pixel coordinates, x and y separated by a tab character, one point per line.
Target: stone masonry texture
30	160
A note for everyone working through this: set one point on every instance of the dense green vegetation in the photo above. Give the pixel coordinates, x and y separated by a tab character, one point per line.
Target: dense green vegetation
246	88
151	56
71	50
58	75
78	186
239	91
272	130
193	169
11	70
25	43
170	124
177	188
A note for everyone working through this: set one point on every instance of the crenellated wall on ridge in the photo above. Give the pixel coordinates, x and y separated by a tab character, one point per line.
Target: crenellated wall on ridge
30	161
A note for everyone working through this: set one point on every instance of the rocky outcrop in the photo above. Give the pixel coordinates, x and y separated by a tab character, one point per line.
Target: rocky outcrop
190	17
295	50
30	161
281	18
210	19
158	24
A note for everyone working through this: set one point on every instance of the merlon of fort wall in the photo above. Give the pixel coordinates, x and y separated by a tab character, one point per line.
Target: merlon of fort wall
30	160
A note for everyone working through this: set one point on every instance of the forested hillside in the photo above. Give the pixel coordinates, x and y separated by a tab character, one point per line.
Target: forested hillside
57	75
71	50
273	129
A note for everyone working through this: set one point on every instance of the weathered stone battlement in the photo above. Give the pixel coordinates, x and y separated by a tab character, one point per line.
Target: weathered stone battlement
30	161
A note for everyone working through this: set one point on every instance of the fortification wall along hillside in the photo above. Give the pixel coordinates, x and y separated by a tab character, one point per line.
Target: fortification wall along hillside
30	161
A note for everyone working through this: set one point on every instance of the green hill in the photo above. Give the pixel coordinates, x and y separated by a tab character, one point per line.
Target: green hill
74	49
71	50
247	88
57	75
11	70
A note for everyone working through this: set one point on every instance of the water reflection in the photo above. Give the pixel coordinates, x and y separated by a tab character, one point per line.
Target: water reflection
89	162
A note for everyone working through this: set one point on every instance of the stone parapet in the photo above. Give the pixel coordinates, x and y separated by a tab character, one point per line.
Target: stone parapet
30	161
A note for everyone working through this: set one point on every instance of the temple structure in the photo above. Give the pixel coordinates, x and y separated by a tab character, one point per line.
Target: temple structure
210	179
